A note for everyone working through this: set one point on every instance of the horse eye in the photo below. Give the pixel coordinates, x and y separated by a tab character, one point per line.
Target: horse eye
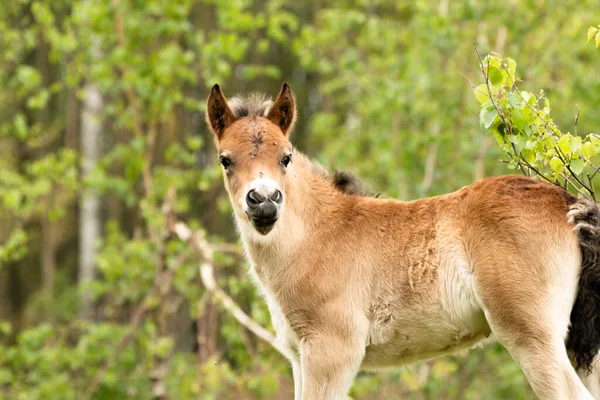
286	160
225	162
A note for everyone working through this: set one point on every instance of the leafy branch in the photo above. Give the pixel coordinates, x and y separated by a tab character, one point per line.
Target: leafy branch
521	123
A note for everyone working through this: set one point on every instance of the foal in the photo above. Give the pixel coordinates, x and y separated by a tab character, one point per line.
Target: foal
355	282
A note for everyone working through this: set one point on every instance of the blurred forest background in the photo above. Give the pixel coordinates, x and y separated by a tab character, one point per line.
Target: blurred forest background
102	139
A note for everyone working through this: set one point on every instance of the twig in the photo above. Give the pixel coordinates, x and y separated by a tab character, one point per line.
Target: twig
519	159
563	158
472	84
572	184
197	240
595	172
536	171
592	186
578	180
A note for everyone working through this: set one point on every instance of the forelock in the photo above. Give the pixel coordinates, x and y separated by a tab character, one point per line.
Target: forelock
253	104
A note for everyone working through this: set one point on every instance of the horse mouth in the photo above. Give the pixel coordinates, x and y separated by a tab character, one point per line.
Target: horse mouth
264	225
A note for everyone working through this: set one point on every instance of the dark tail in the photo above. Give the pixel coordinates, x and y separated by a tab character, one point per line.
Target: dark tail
584	335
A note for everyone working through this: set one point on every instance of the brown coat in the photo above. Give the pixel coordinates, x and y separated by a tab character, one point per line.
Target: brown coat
360	282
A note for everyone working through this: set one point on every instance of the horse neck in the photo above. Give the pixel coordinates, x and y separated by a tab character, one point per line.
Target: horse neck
311	196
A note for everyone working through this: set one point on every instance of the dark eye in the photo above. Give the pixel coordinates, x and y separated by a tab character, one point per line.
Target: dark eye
225	162
286	160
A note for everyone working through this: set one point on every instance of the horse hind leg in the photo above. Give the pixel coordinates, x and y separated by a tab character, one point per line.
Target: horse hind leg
591	380
538	346
527	305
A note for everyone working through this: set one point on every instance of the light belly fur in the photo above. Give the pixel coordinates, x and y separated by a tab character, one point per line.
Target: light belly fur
450	320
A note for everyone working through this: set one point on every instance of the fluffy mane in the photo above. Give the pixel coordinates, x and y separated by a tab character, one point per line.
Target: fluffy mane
349	183
252	104
344	181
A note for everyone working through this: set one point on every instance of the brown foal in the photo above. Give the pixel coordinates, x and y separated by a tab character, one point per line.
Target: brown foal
354	281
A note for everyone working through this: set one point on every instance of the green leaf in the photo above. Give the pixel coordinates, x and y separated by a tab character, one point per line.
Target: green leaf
557	165
577	166
564	144
20	124
499	137
512	70
587	149
29	77
592	30
39	100
492	60
496	76
487	116
481	93
575	144
595	140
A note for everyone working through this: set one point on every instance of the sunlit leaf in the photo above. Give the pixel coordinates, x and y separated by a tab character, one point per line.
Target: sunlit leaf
481	93
577	166
592	30
564	143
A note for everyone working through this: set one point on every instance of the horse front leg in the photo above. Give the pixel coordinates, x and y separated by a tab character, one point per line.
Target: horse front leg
329	364
297	375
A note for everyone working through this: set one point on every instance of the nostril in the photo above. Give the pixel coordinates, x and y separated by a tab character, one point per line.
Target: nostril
254	198
277	197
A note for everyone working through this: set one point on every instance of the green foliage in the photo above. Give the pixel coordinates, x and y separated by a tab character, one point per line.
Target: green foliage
521	123
379	90
148	60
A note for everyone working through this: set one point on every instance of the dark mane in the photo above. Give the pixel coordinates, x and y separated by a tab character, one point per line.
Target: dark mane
344	181
349	183
253	104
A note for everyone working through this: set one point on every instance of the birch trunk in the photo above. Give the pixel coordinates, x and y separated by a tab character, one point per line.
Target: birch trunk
89	217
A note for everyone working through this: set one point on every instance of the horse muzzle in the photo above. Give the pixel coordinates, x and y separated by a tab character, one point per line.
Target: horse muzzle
263	211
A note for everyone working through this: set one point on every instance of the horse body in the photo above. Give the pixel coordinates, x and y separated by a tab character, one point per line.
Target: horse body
359	282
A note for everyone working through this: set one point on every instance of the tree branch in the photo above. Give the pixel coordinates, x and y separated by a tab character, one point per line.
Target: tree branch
196	239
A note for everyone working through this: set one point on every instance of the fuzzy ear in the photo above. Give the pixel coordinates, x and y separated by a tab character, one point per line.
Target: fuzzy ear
218	113
283	111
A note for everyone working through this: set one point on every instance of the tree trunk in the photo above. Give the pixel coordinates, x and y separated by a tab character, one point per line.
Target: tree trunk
89	217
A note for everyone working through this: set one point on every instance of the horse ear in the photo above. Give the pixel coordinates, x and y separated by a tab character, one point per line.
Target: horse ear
218	113
283	111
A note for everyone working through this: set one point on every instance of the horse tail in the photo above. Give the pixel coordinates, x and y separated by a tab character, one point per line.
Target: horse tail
583	341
